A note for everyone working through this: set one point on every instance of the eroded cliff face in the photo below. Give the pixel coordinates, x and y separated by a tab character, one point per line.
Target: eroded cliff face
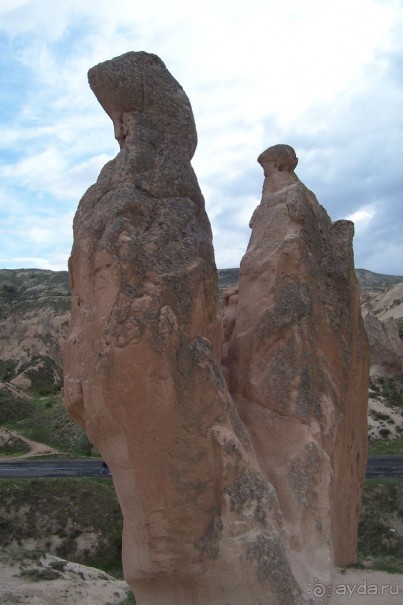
295	358
382	312
34	314
201	523
385	345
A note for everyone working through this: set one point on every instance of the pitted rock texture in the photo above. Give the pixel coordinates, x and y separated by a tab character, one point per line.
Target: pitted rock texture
201	524
296	362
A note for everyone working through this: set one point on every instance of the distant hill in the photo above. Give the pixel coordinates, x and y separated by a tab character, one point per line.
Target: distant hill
34	316
369	280
24	290
29	289
227	277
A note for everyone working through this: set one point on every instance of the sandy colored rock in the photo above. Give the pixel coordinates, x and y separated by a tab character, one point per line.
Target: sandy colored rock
54	581
201	524
381	312
384	420
296	363
34	314
385	346
389	303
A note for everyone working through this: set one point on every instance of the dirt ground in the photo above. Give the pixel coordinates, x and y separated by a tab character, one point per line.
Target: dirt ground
36	449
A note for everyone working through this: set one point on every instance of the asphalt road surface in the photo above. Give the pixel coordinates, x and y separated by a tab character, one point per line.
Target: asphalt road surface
378	467
52	468
385	466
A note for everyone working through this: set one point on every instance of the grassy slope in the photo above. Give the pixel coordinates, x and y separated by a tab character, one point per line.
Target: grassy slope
386	447
76	519
380	533
57	515
45	420
391	392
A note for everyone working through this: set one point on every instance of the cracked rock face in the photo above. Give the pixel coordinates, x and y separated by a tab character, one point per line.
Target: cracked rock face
202	525
296	362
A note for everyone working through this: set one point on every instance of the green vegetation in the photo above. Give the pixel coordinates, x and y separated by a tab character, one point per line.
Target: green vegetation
36	575
388	564
130	600
28	289
380	543
13	447
80	520
379	415
386	446
13	408
45	375
389	389
75	519
50	424
46	380
6	369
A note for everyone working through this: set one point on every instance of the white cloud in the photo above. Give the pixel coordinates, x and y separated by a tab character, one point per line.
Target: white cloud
33	233
257	73
48	171
362	217
46	18
53	262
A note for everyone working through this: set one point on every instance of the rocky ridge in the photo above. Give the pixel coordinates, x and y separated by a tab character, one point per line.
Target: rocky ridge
38	302
35	312
34	316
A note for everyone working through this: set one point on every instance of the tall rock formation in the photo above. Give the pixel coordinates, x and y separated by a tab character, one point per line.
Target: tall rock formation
295	358
201	524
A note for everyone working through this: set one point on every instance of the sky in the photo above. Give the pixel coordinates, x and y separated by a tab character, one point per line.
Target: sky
323	76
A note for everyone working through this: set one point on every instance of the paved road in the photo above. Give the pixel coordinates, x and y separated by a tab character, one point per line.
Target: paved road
378	466
52	468
385	466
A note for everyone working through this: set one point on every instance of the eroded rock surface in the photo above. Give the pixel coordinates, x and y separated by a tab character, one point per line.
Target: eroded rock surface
201	524
296	362
385	345
382	312
388	302
34	315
